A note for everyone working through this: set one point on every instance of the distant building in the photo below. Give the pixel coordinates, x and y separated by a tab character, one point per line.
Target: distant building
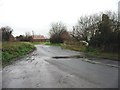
119	10
38	38
33	38
11	38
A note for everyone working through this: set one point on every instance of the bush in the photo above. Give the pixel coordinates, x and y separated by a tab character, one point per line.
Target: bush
6	33
11	50
58	33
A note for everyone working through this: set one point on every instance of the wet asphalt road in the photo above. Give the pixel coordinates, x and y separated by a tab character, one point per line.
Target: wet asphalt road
40	70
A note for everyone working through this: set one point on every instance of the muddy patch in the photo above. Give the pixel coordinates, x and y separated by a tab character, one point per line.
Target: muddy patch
65	57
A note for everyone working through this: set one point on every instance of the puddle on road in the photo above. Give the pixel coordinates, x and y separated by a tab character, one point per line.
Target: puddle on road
90	60
65	57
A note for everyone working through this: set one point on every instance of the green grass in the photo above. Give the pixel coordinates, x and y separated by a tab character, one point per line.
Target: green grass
11	50
93	52
46	43
101	54
53	44
37	43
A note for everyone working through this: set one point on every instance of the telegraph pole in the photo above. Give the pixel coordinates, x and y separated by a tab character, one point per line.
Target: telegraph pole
119	11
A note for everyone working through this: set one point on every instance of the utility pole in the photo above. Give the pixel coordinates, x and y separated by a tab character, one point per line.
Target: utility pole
119	11
33	33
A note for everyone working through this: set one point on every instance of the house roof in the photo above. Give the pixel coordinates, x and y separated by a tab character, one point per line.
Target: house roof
38	37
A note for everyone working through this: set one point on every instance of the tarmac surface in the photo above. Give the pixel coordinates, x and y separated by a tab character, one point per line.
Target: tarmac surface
54	67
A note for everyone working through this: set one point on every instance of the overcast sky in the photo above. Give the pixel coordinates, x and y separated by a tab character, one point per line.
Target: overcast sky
37	15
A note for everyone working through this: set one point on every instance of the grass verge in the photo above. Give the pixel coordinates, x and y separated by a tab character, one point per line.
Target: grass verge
101	54
12	50
74	47
46	43
92	52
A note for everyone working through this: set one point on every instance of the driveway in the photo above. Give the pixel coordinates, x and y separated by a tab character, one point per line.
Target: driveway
53	67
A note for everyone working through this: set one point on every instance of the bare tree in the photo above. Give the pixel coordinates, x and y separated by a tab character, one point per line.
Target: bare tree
27	34
6	33
56	32
86	27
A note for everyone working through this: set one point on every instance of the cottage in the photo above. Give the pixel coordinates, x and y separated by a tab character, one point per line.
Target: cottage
11	38
38	38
